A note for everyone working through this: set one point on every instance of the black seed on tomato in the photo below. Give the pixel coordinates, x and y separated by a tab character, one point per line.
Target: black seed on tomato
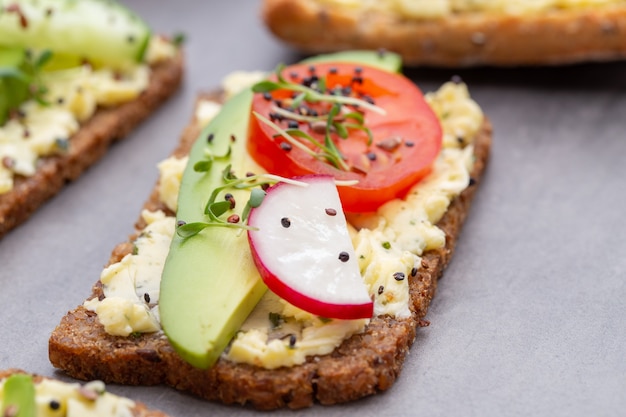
409	144
285	222
331	211
381	289
414	271
293	75
369	99
278	104
398	276
267	96
344	256
312	69
346	91
285	146
371	156
332	70
357	80
358	70
292	124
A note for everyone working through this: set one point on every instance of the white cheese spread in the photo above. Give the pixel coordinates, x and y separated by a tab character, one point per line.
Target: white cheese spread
389	241
73	95
435	9
55	398
132	285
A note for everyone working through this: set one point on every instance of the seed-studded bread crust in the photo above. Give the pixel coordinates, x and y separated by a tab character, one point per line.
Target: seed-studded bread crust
363	365
458	40
139	410
87	146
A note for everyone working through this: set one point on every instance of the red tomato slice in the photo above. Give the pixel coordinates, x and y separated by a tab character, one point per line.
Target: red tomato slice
406	139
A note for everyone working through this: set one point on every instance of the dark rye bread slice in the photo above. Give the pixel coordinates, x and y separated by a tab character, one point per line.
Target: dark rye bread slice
555	36
139	410
363	365
87	146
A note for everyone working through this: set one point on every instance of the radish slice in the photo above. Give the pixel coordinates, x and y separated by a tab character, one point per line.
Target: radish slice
303	251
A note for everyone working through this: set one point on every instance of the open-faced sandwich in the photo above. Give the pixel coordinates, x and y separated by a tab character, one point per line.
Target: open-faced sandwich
457	32
75	76
26	395
291	247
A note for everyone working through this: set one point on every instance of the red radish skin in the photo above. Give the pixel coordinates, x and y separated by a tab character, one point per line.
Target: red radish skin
297	249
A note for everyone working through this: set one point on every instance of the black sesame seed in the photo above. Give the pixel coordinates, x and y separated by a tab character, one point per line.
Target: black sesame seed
331	211
312	69
294	75
381	289
285	222
54	404
229	197
60	100
292	340
146	297
357	80
285	146
181	223
358	70
332	70
210	138
398	276
371	156
233	138
414	271
346	91
292	124
472	181
344	256
267	96
409	144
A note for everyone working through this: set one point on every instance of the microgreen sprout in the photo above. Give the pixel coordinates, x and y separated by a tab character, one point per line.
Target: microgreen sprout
215	209
335	120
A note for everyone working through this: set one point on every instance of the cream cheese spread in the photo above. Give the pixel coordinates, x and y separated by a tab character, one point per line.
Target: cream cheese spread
434	9
73	95
55	398
386	242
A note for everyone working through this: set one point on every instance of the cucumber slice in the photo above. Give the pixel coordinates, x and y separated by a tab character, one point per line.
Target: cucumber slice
101	31
18	396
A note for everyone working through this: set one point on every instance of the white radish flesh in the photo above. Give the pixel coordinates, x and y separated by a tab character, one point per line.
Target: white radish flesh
303	250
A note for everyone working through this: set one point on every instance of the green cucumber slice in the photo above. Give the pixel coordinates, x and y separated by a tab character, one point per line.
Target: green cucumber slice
101	31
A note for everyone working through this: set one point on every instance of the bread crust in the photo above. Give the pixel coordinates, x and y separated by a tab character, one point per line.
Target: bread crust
459	40
139	410
363	365
87	146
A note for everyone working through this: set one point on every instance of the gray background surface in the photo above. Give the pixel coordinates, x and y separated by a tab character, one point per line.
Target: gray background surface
530	316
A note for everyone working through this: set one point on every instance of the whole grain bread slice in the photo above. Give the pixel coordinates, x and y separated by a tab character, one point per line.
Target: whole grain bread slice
363	365
555	36
87	146
139	409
